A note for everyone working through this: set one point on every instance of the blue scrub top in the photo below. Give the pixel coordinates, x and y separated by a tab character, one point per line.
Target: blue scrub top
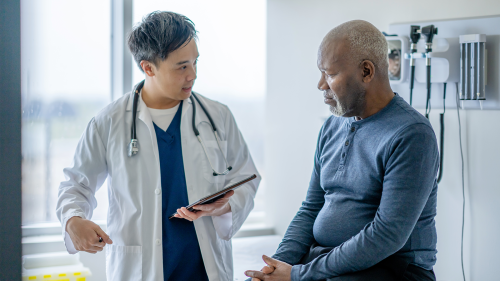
181	252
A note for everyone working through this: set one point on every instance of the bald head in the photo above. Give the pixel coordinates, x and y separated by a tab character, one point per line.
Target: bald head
357	40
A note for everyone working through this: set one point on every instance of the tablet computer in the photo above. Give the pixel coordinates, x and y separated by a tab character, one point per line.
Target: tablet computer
216	196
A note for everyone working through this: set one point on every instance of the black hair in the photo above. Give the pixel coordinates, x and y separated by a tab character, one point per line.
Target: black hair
158	35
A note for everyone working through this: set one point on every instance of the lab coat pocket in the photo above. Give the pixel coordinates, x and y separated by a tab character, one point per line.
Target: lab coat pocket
216	157
123	262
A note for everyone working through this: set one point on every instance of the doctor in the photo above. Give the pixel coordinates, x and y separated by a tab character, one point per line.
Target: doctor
154	164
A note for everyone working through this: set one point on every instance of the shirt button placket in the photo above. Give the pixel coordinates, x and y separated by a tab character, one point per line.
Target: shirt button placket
344	150
342	160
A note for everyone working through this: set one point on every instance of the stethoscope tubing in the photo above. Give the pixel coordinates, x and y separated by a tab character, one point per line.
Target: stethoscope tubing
134	109
134	149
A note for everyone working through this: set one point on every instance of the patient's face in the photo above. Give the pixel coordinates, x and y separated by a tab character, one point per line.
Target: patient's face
340	80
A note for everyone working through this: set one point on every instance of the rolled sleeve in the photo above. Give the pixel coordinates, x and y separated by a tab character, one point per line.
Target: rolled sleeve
76	196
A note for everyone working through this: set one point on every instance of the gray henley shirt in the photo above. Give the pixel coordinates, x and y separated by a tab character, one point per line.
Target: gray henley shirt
372	194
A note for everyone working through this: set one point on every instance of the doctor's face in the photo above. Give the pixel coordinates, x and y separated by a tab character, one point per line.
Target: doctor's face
175	76
340	80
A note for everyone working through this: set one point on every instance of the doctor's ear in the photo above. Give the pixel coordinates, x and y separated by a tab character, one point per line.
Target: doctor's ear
148	68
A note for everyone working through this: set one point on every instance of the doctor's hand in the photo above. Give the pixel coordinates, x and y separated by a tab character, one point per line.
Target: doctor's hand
85	235
274	271
218	208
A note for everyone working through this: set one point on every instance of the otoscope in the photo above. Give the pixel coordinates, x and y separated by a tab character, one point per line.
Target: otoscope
414	37
429	32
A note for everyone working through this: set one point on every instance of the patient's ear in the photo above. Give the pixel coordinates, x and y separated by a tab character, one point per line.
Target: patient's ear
367	71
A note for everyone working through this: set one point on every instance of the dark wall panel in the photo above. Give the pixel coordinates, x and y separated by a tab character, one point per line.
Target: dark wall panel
10	140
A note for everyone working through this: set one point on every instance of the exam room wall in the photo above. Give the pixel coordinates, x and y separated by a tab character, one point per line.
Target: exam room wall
295	113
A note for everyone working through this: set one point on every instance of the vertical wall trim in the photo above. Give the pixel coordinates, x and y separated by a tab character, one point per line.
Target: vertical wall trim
121	59
10	140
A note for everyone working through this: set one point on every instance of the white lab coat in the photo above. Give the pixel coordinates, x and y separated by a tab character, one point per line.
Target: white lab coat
134	220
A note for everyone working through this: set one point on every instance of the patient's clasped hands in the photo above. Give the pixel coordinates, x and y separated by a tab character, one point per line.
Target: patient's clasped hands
275	270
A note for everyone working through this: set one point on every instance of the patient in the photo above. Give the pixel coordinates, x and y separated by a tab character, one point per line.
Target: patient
370	207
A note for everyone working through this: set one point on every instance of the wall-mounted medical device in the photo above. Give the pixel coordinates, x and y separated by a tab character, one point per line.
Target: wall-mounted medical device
443	52
473	67
428	32
398	46
414	37
447	62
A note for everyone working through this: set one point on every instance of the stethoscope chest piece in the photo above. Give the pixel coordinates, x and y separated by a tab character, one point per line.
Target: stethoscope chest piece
132	148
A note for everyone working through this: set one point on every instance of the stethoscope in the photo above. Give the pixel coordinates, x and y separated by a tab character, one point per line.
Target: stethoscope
133	149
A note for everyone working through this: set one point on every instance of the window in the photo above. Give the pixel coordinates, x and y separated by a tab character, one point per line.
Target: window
65	52
66	80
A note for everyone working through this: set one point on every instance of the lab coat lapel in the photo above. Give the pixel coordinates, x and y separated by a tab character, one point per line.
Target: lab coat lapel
186	105
186	134
145	117
196	184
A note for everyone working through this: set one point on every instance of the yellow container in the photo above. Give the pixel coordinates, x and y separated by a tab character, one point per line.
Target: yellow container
61	276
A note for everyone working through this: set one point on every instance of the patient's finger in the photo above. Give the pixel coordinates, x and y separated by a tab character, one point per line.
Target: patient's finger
267	269
255	274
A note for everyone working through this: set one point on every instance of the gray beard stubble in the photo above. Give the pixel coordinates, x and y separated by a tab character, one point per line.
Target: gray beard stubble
353	103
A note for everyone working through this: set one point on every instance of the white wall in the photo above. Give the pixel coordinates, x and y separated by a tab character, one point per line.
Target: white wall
295	112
